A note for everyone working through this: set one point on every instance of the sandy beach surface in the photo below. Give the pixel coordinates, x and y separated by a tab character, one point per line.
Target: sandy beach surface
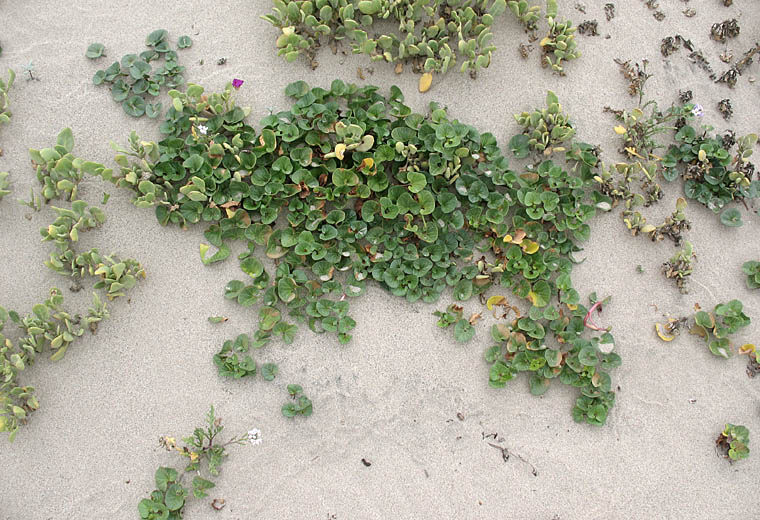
403	395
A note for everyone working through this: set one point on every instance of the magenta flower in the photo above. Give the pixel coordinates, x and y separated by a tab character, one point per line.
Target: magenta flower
237	83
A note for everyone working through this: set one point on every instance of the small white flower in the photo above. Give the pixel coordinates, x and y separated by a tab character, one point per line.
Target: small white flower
203	129
698	111
254	436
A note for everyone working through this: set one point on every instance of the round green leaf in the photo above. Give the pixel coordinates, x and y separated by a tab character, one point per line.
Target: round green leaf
463	331
95	50
134	106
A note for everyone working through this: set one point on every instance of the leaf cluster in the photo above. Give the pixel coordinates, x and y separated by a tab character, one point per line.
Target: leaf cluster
752	269
134	82
544	130
233	360
300	404
463	329
559	45
350	185
5	104
716	327
430	33
734	441
527	14
49	327
673	227
202	449
713	176
523	346
4	184
679	267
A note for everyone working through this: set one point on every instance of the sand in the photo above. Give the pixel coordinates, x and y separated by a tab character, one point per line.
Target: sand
393	394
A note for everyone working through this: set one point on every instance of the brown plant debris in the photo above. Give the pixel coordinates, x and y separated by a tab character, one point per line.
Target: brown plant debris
725	108
589	28
671	44
699	58
609	11
635	75
725	29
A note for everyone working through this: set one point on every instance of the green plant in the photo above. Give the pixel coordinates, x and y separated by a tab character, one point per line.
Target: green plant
679	267
95	50
715	327
673	227
5	86
559	45
713	176
49	327
639	129
231	365
463	328
544	130
133	81
5	104
752	270
733	441
527	15
522	346
4	184
339	196
301	404
429	33
203	451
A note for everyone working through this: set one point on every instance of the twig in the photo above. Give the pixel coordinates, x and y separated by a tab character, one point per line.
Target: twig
506	453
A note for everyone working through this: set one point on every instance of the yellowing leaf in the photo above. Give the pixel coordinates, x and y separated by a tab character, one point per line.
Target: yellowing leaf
620	130
698	330
546	41
664	336
572	306
648	228
747	348
340	150
426	80
494	300
702	155
367	162
530	247
507	238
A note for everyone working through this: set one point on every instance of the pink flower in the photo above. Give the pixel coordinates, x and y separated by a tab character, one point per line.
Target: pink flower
237	83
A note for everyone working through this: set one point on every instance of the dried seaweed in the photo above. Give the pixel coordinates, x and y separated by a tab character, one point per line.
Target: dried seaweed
671	44
725	29
725	108
589	28
609	11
